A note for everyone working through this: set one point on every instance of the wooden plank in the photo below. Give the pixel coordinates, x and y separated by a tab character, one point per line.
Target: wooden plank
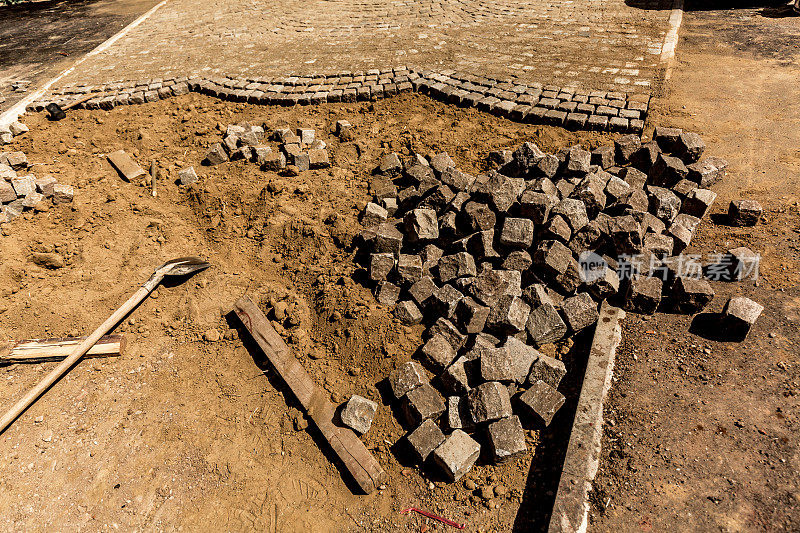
44	350
361	464
126	166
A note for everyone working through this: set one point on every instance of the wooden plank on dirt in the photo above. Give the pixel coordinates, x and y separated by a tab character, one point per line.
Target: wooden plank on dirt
361	464
126	166
45	350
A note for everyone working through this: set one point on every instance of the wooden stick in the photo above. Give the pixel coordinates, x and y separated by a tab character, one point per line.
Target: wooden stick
45	350
356	458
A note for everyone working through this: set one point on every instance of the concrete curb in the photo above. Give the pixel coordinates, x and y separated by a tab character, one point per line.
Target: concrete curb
571	507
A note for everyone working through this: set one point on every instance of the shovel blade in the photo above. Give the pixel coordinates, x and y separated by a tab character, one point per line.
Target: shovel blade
184	266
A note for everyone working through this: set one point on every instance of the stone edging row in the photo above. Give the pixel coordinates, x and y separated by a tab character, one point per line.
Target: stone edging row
532	103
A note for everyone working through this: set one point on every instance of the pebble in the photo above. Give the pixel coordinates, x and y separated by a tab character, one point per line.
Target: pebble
469	484
212	335
487	492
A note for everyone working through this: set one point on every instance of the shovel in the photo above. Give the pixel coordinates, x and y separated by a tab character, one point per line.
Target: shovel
177	267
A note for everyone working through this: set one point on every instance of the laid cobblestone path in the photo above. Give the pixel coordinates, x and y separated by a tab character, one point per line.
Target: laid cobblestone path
591	44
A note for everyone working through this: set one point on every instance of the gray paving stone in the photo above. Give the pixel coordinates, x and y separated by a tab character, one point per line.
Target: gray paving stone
541	401
744	213
406	378
506	439
424	439
422	403
456	455
489	401
358	413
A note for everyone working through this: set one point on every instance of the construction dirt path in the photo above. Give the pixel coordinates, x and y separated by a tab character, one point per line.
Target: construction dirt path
702	435
190	427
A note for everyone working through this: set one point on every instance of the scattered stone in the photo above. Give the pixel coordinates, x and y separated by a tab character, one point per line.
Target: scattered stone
387	293
509	315
739	315
689	295
698	202
63	194
216	155
423	403
489	401
744	213
358	413
517	233
424	439
438	351
547	369
690	147
406	378
580	311
49	260
409	268
456	455
408	313
506	439
471	315
644	295
188	176
421	225
380	265
458	416
545	325
542	401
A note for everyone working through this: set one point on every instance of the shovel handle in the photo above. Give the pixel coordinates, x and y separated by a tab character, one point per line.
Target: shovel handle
80	350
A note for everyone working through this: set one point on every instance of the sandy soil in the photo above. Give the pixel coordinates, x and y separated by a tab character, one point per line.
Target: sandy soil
702	433
186	431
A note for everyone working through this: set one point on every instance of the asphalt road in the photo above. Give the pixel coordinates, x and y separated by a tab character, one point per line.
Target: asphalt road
40	39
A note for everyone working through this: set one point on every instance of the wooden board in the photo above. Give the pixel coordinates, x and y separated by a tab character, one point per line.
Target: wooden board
44	350
126	166
361	464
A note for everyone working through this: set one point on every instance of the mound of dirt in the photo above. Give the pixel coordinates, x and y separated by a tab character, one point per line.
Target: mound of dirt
185	429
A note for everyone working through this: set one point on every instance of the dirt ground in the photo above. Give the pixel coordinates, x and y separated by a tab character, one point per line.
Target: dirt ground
702	434
190	427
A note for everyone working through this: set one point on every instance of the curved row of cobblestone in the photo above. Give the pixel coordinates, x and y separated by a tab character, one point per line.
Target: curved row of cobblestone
530	103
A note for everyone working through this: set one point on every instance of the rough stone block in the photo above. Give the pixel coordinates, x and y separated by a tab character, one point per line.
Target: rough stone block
698	202
667	138
15	160
422	225
556	229
541	401
552	257
743	263
479	216
517	260
23	185
458	377
522	358
547	369
422	403
708	171
390	165
603	282
626	234
635	178
274	162
441	162
445	299
387	293
7	192
502	191
739	315
424	439
63	194
388	239
537	205
667	171
406	378
506	439
188	176
517	233
744	213
548	166
573	211
644	295
690	147
358	413
456	455
409	268
408	313
591	191
509	315
438	352
645	157
457	265
422	291
658	244
496	364
318	158
380	265
578	161
625	147
489	401
603	156
450	331
689	295
663	203
458	416
471	315
580	311
216	155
